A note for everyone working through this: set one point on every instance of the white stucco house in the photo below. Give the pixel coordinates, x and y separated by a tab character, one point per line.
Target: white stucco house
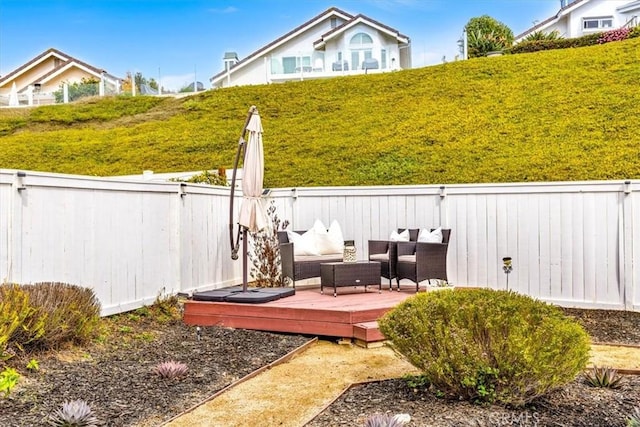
43	75
334	43
581	17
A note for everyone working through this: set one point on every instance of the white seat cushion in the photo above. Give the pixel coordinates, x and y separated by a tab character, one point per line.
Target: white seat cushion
311	258
407	258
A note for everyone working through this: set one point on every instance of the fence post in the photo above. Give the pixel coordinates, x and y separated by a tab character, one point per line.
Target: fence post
626	245
102	83
18	200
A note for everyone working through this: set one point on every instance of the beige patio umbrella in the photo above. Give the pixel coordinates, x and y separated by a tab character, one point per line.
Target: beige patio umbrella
252	215
13	96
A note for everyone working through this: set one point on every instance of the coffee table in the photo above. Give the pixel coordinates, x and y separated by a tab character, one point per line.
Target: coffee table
359	273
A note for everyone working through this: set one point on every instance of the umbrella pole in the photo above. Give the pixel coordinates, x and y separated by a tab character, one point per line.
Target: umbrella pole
245	257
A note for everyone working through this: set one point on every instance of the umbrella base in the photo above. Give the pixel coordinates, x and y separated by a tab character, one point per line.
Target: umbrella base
251	296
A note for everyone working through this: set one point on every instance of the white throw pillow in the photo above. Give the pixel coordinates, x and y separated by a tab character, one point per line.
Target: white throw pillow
427	236
400	237
303	244
328	241
336	238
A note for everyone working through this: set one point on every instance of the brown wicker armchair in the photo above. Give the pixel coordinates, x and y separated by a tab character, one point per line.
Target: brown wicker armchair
420	261
384	251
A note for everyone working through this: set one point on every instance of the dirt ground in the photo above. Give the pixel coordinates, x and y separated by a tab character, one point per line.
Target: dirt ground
291	394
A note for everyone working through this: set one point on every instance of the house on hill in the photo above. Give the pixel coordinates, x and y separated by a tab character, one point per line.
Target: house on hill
334	43
581	17
45	74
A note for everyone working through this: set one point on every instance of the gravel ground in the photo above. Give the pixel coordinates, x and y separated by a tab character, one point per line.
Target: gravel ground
115	376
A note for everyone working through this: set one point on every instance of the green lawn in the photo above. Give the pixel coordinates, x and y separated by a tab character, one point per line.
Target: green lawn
570	114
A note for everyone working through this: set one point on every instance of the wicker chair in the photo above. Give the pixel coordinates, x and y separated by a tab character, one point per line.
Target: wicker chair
420	261
384	251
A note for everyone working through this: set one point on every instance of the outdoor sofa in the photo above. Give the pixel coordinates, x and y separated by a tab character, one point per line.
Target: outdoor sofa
300	267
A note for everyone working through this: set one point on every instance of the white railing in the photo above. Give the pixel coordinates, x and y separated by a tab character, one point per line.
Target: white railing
574	244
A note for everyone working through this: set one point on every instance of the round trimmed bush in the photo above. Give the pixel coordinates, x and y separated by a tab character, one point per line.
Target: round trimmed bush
486	345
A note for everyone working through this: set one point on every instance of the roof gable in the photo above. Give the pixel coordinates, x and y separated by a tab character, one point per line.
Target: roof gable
549	21
357	20
66	62
634	5
329	13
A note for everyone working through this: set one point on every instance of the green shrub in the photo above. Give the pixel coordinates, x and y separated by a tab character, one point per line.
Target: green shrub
166	308
488	346
541	35
87	87
549	44
207	177
8	379
70	314
16	319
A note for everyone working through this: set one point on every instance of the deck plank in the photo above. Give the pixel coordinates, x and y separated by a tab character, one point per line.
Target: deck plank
352	314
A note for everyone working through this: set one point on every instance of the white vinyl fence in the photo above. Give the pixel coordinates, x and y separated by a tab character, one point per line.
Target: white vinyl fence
575	244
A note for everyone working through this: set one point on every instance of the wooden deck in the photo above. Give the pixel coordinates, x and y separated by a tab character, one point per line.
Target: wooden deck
351	315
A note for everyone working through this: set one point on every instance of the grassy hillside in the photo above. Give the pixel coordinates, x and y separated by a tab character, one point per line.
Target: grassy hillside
569	114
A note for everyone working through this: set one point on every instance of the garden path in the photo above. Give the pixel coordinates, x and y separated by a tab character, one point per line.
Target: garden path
292	393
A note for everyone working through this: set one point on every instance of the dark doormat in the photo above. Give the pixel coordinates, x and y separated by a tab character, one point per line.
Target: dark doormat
251	296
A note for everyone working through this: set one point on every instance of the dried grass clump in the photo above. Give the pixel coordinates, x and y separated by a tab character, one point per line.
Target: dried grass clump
47	315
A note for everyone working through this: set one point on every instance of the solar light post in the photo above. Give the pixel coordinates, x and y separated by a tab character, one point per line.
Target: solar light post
507	267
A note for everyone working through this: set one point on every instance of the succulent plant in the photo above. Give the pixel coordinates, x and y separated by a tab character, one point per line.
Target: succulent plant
634	419
380	420
603	377
75	413
171	369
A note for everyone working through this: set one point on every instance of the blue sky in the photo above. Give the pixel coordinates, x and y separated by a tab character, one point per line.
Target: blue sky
175	40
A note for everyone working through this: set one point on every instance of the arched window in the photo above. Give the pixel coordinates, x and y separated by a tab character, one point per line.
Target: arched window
361	39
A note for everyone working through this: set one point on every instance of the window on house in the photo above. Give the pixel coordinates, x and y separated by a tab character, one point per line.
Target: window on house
303	64
294	64
289	64
383	59
276	66
592	24
334	22
360	39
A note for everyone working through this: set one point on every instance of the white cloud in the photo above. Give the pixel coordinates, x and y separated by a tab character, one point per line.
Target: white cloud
228	9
